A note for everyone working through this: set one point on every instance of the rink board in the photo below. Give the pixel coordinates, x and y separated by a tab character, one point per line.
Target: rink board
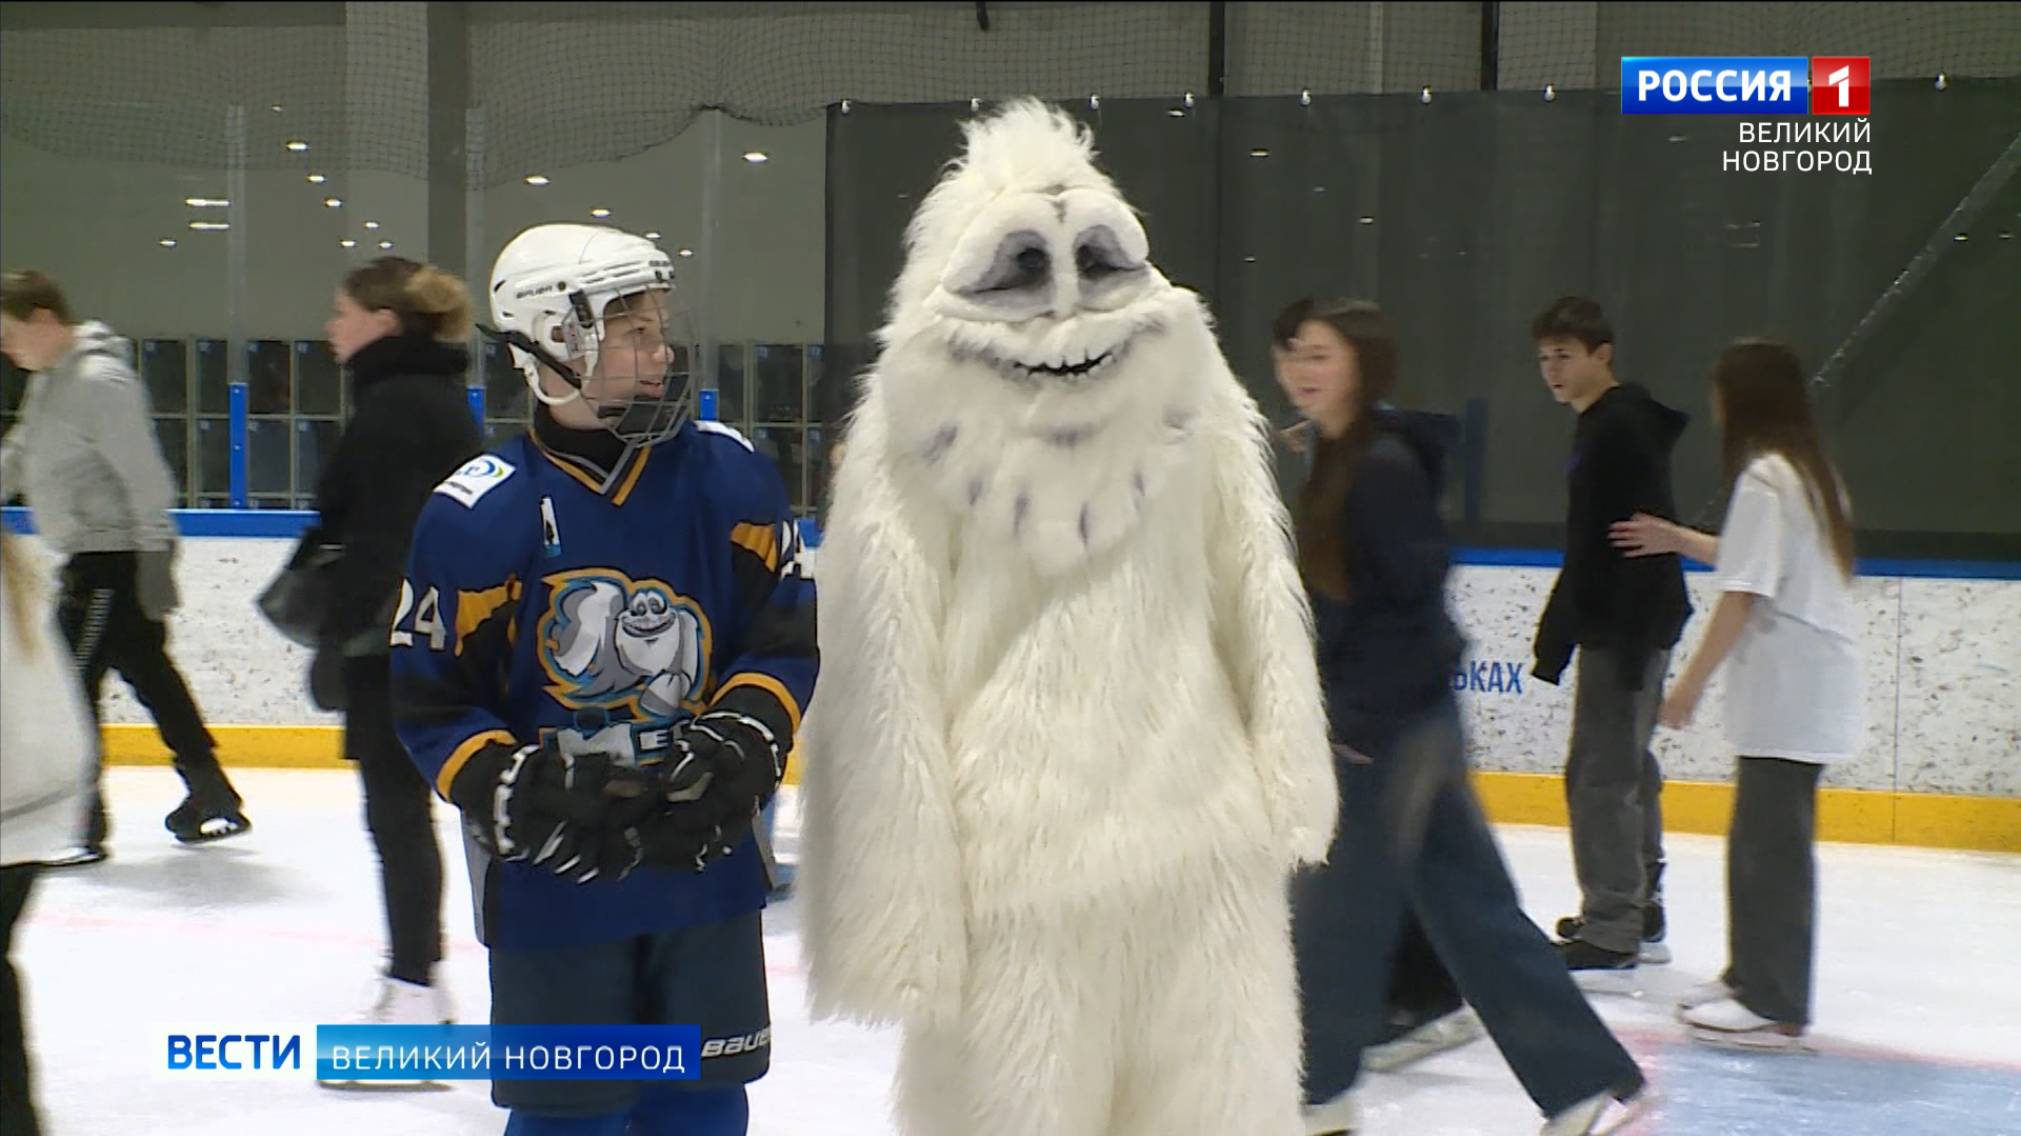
1936	767
1858	816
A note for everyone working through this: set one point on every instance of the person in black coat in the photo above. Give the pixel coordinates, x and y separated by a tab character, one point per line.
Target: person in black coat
1411	838
396	327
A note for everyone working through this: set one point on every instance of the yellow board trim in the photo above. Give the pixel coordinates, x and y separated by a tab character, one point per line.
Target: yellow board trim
1853	816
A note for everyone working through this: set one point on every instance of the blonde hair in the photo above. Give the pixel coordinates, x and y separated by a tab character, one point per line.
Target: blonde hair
427	299
23	592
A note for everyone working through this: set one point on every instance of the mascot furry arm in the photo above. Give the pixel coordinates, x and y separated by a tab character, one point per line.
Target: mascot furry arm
890	946
1264	630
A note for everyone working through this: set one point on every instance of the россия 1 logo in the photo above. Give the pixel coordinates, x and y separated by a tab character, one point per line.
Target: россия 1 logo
1750	86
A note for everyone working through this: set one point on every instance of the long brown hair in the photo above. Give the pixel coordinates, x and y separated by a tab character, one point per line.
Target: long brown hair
1765	405
1319	512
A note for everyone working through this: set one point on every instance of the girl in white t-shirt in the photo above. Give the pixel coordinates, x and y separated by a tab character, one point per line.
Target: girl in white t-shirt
1784	630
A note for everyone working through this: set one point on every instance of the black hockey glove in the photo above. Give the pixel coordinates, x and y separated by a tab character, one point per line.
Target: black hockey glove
540	806
723	767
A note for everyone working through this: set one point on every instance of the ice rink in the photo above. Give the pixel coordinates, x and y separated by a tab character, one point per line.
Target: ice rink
1918	1004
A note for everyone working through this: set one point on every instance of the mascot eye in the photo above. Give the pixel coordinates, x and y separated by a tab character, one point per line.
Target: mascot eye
1021	264
1100	255
1092	263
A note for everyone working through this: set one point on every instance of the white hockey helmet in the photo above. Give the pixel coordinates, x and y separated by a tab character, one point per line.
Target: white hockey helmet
552	288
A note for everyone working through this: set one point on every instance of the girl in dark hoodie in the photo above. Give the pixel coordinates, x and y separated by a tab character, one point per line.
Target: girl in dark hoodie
1412	837
395	326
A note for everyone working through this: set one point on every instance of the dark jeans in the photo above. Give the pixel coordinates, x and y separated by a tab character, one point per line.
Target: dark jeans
1614	795
1771	888
107	630
17	1102
1412	837
399	813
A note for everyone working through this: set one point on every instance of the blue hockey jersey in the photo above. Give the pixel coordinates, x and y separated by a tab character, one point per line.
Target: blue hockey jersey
546	595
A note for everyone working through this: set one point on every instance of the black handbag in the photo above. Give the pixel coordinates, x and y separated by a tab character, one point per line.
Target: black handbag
297	601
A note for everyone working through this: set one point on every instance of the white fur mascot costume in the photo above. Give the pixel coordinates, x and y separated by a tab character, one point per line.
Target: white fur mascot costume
1068	743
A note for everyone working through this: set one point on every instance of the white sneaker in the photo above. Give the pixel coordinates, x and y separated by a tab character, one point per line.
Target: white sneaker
1340	1116
1434	1037
1599	1115
1730	1025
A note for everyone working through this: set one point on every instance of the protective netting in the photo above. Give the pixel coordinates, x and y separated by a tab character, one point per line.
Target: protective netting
1465	216
562	84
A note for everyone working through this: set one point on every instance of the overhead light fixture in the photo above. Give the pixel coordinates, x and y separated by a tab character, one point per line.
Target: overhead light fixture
685	252
166	242
756	156
207	202
1177	112
277	108
210	226
385	244
371	224
317	179
599	211
536	179
297	145
652	236
348	243
1368	220
1259	152
333	202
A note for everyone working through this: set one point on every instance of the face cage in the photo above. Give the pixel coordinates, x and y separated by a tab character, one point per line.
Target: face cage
641	418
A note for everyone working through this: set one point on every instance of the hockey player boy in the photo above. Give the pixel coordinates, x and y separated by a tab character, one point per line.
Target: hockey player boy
601	617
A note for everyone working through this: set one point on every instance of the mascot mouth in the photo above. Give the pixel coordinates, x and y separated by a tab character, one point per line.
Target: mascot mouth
1073	367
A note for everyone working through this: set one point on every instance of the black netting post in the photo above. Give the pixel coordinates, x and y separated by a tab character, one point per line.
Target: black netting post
1491	46
1217	49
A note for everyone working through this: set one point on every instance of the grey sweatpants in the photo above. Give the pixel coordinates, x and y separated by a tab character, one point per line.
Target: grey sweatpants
1771	888
1613	792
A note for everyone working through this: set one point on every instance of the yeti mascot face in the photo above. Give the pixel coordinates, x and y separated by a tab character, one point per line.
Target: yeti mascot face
1040	374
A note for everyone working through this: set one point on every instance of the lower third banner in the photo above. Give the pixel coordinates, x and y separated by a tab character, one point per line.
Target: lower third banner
508	1053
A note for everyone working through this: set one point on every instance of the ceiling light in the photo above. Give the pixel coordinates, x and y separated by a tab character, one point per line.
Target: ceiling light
536	179
371	224
599	211
298	145
209	226
685	252
348	243
385	244
207	202
276	108
166	242
1177	112
317	179
756	156
1259	152
333	202
652	236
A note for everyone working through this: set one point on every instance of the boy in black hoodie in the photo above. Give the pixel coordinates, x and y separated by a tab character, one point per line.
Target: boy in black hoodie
1623	616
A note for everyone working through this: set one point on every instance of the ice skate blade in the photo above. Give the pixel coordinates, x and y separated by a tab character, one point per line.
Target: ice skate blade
1625	983
1461	1027
387	1086
1654	954
1752	1041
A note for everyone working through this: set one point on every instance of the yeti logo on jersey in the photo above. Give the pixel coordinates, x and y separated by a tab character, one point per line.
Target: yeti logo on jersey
475	479
607	641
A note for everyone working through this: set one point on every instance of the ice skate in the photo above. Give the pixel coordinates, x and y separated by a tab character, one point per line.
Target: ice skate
393	1002
1429	1040
1339	1116
1726	1024
1599	1115
210	811
1598	970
